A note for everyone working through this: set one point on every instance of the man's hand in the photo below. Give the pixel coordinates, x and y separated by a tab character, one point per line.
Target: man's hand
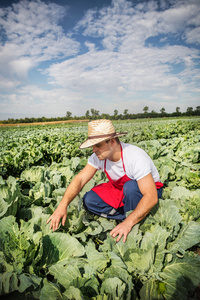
150	198
59	213
71	192
121	229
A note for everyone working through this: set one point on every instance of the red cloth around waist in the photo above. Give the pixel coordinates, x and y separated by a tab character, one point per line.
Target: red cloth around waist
159	185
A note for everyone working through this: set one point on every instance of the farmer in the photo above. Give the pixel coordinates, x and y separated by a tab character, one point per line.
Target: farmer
133	181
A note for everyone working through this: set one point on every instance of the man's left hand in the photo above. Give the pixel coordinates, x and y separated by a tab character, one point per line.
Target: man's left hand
121	229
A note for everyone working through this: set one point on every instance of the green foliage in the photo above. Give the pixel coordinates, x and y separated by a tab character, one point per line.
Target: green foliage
81	260
10	197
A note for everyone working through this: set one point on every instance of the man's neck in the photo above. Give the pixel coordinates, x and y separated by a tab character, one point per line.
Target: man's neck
116	155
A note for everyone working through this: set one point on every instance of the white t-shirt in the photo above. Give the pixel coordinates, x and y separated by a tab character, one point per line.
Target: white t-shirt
137	164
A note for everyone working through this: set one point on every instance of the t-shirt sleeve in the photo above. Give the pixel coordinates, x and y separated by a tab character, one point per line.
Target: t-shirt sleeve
141	167
95	162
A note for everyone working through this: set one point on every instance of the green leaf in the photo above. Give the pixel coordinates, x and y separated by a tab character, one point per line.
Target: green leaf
102	297
8	282
75	220
188	202
40	191
58	192
21	246
116	260
151	291
10	197
87	187
8	224
157	239
59	247
107	224
179	192
96	260
123	275
66	172
188	237
181	276
65	274
73	293
75	161
166	170
123	249
35	174
167	215
94	228
113	286
141	260
27	280
50	291
88	285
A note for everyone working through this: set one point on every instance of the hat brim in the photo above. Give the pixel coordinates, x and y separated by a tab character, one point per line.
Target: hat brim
91	142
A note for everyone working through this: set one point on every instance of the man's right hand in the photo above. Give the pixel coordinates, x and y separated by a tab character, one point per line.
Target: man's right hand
59	213
71	192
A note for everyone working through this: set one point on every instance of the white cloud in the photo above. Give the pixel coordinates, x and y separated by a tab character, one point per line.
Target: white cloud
126	60
121	24
21	66
33	36
122	66
145	69
193	36
34	100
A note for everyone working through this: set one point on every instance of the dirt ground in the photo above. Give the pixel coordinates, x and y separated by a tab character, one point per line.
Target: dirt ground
44	123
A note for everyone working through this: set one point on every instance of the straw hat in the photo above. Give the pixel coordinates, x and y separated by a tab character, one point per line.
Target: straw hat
99	131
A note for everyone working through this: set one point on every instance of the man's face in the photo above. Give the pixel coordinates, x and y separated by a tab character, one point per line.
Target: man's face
102	150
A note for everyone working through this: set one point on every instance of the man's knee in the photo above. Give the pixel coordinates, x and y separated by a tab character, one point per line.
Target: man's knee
132	195
131	188
88	199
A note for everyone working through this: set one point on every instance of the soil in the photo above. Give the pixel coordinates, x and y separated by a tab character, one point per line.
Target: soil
44	123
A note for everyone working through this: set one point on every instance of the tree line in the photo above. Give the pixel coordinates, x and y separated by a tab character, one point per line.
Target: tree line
93	114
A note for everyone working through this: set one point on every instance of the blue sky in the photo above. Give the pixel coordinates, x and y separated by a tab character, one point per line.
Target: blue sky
74	55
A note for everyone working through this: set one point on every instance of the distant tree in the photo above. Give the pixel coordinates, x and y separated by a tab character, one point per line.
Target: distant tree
105	116
92	112
87	114
125	116
43	119
68	114
177	113
115	112
189	110
153	114
198	108
95	113
145	109
125	111
162	110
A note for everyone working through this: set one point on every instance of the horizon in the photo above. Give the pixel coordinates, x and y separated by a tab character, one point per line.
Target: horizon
73	117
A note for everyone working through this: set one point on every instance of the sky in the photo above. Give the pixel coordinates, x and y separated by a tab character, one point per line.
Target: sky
75	55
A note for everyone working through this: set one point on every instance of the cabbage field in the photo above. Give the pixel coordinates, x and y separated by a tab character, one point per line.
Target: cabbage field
81	260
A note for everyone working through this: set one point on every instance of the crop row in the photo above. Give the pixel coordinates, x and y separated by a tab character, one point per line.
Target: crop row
81	260
23	148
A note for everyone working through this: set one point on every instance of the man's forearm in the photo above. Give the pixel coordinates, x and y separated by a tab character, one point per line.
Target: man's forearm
139	213
71	192
77	184
142	210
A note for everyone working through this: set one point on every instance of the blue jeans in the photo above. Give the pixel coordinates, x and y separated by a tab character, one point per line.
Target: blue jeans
132	195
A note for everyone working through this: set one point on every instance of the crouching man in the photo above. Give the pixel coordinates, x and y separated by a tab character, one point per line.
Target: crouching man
133	181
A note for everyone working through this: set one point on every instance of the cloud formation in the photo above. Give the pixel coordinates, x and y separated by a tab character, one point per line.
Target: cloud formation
120	56
31	35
